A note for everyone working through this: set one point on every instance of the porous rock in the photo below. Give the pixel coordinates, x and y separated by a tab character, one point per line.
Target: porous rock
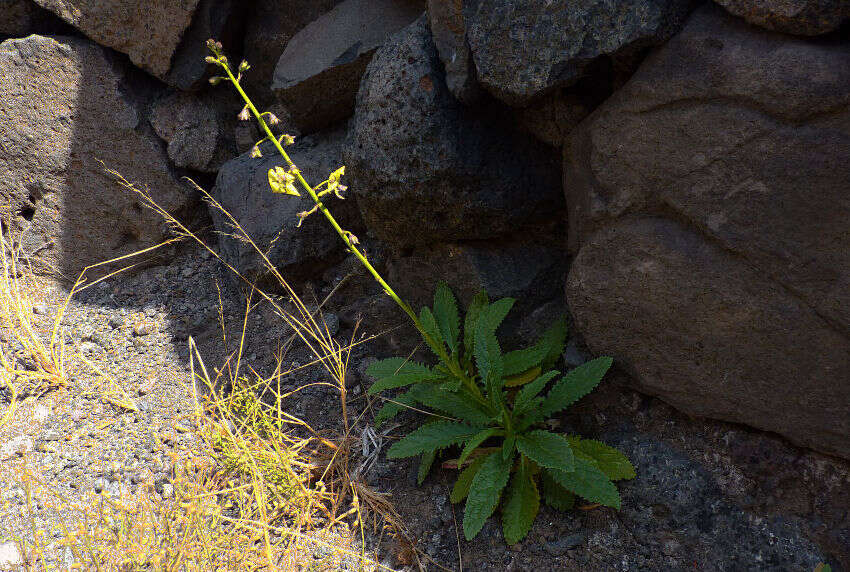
19	18
319	71
803	17
271	220
427	169
701	328
149	32
743	132
523	48
69	110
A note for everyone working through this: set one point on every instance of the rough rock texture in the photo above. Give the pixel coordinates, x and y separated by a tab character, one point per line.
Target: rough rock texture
676	510
149	32
804	17
705	331
271	24
319	71
522	48
19	18
448	27
219	19
743	132
242	188
199	130
66	106
426	169
554	117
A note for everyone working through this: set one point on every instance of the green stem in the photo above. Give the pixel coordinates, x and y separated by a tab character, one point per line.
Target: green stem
455	369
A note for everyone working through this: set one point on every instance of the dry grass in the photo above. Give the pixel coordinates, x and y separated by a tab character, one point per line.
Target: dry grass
262	490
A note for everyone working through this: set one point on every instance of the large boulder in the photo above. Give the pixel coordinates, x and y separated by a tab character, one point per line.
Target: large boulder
271	24
704	330
744	133
319	71
524	48
427	169
271	220
148	32
804	17
66	106
199	130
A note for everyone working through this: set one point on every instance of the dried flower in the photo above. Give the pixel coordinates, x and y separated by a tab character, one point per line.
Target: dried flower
255	152
244	115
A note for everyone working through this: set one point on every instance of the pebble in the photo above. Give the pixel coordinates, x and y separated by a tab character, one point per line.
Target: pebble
40	309
561	545
142	329
10	556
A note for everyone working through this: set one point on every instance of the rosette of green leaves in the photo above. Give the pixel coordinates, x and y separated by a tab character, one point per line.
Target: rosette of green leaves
493	407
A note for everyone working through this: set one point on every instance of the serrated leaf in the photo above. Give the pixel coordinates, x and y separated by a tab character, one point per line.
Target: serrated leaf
554	341
397	372
484	493
522	378
546	449
434	338
455	404
541	354
479	303
496	312
526	395
446	313
436	435
575	385
609	460
520	507
425	466
475	441
488	356
464	480
590	483
555	495
393	408
508	447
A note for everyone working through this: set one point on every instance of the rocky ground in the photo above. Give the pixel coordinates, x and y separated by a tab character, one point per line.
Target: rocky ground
708	496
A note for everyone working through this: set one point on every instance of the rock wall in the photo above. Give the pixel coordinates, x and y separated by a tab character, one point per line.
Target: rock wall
679	169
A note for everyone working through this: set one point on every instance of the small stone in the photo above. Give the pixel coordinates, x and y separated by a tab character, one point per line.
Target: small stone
51	435
41	412
10	556
116	321
40	309
99	485
167	490
16	446
187	272
142	329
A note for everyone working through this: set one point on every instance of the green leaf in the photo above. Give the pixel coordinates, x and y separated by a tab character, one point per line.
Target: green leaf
544	353
527	394
555	495
446	313
464	480
522	378
484	493
508	446
425	466
479	303
436	435
476	440
590	483
397	372
547	450
575	385
554	341
609	460
434	338
521	506
488	356
496	313
393	408
457	405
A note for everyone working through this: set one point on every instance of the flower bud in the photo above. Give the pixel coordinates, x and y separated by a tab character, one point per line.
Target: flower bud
215	80
244	114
